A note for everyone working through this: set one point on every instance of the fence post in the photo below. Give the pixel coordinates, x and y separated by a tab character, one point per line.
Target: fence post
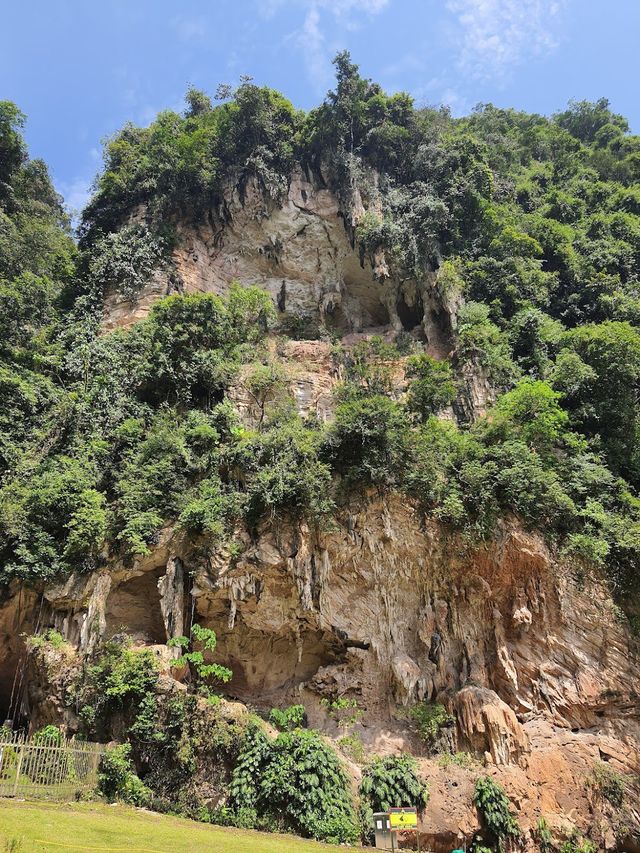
18	769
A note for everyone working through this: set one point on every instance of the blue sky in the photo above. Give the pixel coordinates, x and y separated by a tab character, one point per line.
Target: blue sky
79	69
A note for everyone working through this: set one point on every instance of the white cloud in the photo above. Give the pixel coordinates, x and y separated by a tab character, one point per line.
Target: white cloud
336	7
321	18
494	35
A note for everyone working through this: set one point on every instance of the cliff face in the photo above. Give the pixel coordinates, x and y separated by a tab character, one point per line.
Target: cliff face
302	252
526	652
535	667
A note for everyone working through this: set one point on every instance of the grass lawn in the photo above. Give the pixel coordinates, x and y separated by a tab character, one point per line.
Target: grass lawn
50	827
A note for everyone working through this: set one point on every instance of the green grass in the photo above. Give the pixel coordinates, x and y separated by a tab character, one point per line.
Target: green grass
28	827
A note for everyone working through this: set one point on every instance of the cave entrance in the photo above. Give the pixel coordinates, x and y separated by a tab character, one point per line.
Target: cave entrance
133	608
410	310
13	676
267	667
16	623
335	318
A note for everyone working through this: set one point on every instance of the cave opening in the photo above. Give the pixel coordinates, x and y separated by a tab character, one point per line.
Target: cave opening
335	318
410	311
13	677
267	667
133	608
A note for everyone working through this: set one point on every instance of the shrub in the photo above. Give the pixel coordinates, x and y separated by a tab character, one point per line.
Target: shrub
393	782
297	781
432	387
343	710
495	811
124	260
117	780
609	784
577	844
367	440
430	718
118	681
289	718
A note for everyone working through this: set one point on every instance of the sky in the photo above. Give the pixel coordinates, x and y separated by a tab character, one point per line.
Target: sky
80	69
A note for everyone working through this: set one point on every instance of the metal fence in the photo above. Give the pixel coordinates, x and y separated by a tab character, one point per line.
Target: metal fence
47	767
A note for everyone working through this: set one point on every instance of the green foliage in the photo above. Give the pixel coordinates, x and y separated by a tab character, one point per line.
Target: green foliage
432	387
495	812
205	640
527	227
285	476
393	782
48	639
117	779
123	261
179	163
577	844
117	682
343	710
297	781
287	719
483	344
464	760
430	718
366	441
609	784
353	746
543	836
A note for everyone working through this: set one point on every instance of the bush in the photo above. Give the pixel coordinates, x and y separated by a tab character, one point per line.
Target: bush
118	681
117	780
433	387
124	260
367	440
289	718
430	718
495	812
577	844
393	782
297	781
609	784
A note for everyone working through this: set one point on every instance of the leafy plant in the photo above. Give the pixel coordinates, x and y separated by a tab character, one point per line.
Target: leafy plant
543	836
205	638
393	782
495	812
296	780
430	718
577	844
343	710
289	718
117	779
608	784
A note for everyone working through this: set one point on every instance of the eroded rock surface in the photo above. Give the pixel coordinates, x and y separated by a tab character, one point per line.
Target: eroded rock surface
538	672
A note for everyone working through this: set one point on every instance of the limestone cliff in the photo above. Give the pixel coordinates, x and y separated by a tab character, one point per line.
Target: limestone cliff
525	650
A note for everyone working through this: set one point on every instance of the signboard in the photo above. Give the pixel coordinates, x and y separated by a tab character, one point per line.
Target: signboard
400	819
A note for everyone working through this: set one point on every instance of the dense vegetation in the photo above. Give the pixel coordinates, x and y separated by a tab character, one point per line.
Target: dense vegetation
191	753
533	224
534	221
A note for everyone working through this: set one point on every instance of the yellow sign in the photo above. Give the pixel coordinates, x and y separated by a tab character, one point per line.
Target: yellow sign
403	819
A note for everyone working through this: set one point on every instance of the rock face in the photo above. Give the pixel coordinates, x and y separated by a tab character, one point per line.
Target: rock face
538	672
529	657
302	252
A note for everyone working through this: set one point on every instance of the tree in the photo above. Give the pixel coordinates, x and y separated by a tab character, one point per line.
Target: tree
432	387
